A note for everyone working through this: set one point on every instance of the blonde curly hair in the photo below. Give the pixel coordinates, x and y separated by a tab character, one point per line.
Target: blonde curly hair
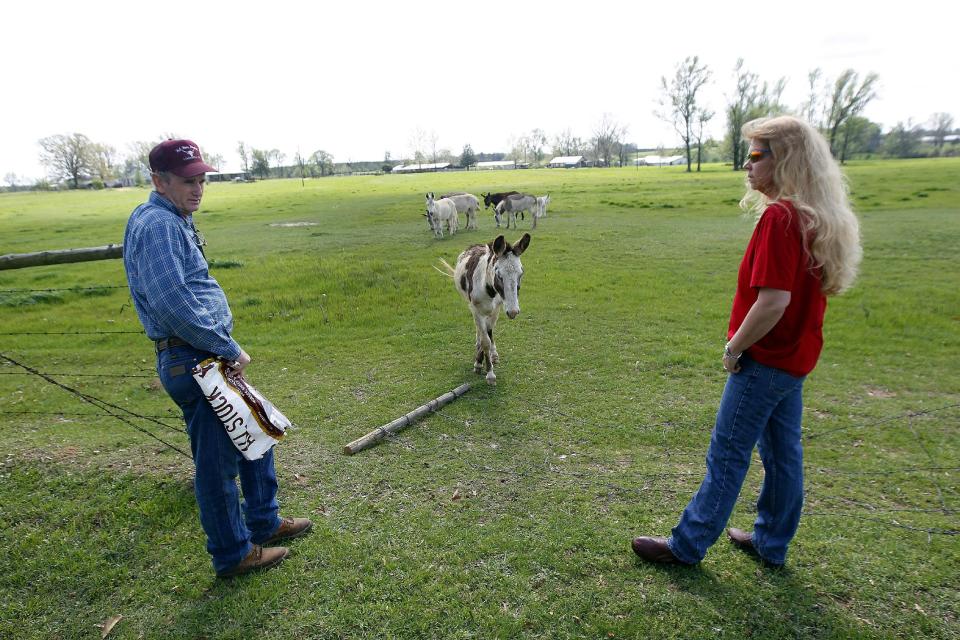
806	174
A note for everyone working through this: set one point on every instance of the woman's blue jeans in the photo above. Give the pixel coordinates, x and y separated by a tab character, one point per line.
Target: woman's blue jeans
761	406
218	463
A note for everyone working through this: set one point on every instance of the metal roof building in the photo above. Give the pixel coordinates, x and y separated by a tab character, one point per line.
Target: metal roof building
567	161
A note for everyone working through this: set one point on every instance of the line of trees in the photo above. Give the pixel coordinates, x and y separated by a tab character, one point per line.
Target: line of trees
833	105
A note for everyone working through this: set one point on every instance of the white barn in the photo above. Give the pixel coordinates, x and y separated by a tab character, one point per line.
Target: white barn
660	161
567	162
496	164
423	166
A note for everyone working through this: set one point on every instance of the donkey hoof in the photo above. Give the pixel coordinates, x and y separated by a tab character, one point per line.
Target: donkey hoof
477	368
491	378
495	358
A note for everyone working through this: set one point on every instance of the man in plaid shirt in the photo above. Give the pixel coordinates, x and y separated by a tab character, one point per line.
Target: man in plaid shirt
185	312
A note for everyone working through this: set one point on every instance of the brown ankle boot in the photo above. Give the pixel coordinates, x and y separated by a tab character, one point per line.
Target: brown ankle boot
289	528
258	558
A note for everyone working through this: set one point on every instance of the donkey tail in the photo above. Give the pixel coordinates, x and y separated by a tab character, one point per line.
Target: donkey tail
447	269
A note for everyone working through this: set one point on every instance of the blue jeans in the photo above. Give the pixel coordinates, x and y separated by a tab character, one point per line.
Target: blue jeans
761	406
217	463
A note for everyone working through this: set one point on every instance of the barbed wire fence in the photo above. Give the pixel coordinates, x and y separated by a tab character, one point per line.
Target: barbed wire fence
658	480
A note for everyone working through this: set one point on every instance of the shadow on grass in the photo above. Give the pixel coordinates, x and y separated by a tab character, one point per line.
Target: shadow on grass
760	601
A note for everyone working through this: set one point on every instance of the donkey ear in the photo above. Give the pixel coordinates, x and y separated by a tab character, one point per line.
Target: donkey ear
521	245
499	246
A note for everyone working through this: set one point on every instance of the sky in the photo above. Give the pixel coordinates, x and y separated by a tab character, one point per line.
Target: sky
359	79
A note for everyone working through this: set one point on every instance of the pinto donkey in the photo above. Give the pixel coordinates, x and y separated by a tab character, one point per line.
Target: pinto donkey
488	277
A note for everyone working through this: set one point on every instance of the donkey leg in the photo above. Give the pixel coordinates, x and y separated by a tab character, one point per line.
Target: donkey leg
485	333
480	354
492	324
491	351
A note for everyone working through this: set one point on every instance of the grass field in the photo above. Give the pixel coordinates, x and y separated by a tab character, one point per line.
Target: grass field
510	512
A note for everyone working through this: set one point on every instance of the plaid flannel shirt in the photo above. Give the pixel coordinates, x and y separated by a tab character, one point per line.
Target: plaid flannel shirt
172	289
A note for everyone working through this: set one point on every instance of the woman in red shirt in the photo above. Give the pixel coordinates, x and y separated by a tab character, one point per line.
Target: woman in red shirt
805	246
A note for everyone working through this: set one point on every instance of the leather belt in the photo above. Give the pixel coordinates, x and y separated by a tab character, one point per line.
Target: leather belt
166	343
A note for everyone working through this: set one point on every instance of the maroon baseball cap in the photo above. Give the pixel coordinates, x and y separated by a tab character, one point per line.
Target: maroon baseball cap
180	157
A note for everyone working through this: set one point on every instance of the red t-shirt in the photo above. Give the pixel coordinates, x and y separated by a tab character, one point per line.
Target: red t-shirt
775	259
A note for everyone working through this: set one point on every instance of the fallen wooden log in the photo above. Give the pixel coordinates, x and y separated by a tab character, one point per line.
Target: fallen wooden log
404	421
40	258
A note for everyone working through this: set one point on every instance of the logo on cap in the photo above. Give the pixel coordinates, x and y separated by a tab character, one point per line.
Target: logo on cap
188	152
181	157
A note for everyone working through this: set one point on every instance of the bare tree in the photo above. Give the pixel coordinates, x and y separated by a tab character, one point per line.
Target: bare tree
538	140
278	158
703	117
940	125
678	103
738	107
432	139
244	156
809	108
215	160
67	156
417	142
607	138
847	100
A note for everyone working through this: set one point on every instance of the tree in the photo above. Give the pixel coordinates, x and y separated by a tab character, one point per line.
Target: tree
847	100
299	160
215	160
68	156
136	164
903	141
11	180
750	100
859	136
519	148
244	157
679	100
103	159
607	137
323	161
432	140
809	108
537	141
703	116
417	142
567	144
278	158
260	162
940	124
467	157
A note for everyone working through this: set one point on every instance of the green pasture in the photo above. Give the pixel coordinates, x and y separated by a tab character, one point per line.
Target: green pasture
509	513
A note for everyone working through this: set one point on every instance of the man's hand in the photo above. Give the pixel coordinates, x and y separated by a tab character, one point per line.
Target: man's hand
240	363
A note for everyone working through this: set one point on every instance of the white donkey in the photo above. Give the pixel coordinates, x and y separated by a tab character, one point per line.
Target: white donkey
439	212
488	277
511	205
466	203
541	211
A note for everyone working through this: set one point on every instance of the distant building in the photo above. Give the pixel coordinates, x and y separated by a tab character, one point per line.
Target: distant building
228	176
496	164
660	161
421	167
567	162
